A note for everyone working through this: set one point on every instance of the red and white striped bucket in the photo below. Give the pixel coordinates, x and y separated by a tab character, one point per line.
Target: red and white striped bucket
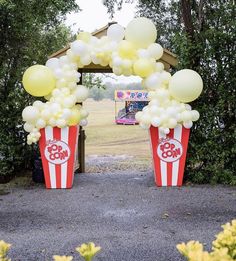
57	148
169	155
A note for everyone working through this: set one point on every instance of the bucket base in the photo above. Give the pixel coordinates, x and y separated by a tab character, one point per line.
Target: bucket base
169	155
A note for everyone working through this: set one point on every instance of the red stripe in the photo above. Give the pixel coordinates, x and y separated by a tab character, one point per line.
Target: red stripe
57	136
169	164
184	142
73	133
157	167
42	145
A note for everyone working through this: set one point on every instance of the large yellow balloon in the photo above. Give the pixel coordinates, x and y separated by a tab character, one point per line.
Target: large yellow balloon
143	67
75	116
185	85
38	80
126	50
141	32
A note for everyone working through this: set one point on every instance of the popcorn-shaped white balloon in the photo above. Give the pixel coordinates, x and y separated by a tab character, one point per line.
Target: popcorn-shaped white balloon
30	114
115	32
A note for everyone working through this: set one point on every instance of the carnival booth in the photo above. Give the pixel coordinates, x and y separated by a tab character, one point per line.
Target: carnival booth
133	101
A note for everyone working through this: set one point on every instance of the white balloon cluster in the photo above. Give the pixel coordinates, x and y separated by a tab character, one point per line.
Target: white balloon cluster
165	112
130	51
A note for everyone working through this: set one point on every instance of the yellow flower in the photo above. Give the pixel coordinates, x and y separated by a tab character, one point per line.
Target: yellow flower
227	239
62	258
4	248
88	251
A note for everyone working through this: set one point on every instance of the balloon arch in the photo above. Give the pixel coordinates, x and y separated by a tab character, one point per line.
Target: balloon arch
130	51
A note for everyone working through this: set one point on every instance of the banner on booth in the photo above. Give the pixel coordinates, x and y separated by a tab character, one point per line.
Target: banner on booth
131	95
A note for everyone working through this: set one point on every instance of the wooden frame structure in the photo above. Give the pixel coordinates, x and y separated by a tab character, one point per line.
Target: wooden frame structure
169	60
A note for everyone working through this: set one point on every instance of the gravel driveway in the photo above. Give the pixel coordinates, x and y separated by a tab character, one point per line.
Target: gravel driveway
124	213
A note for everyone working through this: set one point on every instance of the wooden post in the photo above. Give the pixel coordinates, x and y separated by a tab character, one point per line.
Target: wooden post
81	149
81	144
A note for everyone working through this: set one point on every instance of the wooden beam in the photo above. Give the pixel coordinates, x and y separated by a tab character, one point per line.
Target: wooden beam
81	143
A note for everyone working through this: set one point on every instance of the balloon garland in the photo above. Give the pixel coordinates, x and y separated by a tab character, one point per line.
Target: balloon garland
130	51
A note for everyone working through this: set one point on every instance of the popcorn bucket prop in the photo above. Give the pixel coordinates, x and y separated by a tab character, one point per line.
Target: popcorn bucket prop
169	155
57	148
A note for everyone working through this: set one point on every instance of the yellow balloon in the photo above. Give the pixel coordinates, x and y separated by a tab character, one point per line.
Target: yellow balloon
75	116
141	32
143	67
84	36
126	50
185	85
38	80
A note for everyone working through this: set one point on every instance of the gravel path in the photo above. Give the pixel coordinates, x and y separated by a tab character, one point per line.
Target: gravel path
124	213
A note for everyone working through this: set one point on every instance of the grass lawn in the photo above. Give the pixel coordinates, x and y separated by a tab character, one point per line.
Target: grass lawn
104	137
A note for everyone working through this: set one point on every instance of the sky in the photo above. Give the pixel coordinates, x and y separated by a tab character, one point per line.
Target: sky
94	16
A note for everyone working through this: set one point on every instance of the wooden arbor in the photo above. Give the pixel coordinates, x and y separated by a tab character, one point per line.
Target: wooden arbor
169	60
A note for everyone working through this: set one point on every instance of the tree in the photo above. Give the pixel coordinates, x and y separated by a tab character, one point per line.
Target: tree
30	31
203	35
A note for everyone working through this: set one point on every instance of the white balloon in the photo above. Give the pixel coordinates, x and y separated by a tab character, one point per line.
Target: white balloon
28	127
155	122
171	111
66	113
63	60
61	123
166	130
83	122
165	76
45	114
40	123
78	47
117	71
188	124
143	53
56	92
153	109
154	102
81	93
38	104
117	61
55	108
53	63
153	81
144	126
69	101
127	64
30	114
159	67
195	115
85	59
146	119
52	122
116	32
155	50
172	123
58	72
186	116
188	107
83	113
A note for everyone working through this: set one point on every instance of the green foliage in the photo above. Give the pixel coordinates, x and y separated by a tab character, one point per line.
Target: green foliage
202	34
30	30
